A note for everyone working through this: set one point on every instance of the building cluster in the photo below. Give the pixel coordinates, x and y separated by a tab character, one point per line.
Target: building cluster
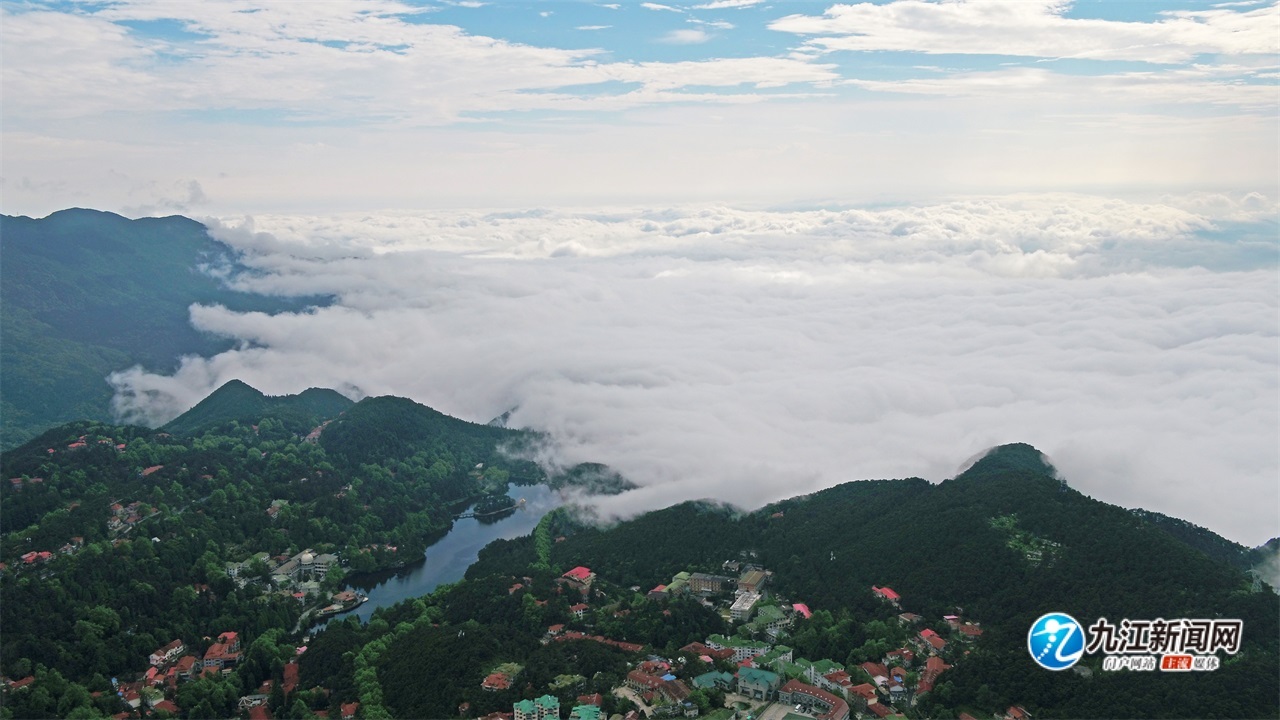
124	517
301	572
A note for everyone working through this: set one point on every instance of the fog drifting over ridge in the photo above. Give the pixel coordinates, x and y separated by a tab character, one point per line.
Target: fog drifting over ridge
749	356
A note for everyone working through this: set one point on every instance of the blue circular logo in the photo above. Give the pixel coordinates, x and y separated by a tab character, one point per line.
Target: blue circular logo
1055	641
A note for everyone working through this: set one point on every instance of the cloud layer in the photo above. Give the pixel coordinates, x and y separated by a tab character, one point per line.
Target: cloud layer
753	355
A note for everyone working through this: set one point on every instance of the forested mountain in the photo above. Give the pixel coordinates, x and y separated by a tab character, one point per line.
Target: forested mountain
1006	541
117	539
140	529
86	293
235	400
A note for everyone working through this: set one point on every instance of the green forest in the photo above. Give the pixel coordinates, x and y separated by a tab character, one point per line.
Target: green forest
142	528
89	293
140	525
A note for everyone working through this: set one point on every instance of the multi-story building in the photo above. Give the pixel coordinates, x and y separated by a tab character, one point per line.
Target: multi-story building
542	708
824	705
710	584
758	684
743	607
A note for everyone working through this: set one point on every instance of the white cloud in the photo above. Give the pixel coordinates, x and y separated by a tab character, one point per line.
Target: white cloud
752	355
1183	87
1035	28
593	27
307	62
685	37
727	4
656	6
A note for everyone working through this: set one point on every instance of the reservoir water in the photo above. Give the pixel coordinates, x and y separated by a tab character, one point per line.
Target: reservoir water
447	560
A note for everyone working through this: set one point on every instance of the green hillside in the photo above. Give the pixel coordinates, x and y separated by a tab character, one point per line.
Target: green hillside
1005	540
236	401
87	293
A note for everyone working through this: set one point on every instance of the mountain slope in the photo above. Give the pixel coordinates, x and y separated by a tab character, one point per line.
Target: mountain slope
378	429
86	293
1006	541
236	400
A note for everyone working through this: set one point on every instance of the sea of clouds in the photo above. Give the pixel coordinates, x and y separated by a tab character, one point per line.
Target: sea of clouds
751	355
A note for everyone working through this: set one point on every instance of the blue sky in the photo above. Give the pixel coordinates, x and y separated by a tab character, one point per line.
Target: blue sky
377	103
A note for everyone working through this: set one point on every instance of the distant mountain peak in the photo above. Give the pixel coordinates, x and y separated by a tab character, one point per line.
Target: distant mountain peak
237	400
1009	457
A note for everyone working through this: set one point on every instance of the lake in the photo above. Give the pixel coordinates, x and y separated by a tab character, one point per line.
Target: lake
447	560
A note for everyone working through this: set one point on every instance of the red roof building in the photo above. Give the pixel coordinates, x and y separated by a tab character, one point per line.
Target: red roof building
866	691
879	673
495	682
933	667
17	684
932	640
290	678
592	699
902	656
886	593
699	649
348	710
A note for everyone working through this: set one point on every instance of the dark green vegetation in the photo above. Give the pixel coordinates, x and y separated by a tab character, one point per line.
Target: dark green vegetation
152	568
236	401
938	547
422	659
1005	541
88	293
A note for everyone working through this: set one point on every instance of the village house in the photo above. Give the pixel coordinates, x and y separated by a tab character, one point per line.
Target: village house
862	695
930	641
840	680
579	578
933	667
224	653
878	673
879	710
887	594
707	653
495	682
1016	712
167	653
901	656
